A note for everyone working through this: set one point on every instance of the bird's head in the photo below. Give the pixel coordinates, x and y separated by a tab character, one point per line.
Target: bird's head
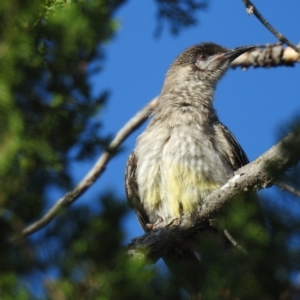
205	62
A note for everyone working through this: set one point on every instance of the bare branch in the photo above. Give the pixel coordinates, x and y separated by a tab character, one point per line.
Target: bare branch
267	56
251	9
259	174
95	172
233	241
254	59
283	186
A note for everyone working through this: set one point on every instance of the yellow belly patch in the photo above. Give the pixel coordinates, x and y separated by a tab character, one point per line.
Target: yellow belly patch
178	189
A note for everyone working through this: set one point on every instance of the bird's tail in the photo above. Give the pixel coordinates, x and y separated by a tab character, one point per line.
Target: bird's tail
185	266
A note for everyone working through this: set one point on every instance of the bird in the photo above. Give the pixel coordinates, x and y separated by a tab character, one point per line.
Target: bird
185	152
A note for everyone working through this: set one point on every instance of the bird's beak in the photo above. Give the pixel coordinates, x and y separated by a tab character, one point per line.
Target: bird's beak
236	52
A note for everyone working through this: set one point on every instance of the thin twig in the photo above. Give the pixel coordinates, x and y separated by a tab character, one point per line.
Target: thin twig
95	172
286	187
233	241
251	9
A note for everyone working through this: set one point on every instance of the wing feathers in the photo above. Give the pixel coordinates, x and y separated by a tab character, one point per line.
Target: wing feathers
232	149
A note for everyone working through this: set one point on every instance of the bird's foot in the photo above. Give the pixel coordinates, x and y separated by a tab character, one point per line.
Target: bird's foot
149	226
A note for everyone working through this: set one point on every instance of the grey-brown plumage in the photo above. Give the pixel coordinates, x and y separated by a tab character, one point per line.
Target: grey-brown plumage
185	152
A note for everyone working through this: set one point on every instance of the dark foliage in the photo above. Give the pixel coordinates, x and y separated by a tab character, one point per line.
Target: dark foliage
49	119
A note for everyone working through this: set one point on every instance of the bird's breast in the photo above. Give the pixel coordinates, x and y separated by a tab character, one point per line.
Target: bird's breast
177	168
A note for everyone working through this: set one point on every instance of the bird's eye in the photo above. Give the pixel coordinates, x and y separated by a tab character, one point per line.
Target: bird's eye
202	56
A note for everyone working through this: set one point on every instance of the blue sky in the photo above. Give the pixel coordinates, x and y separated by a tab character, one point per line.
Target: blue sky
253	103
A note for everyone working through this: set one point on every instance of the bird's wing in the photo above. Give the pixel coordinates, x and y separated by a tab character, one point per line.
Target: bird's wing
231	148
132	191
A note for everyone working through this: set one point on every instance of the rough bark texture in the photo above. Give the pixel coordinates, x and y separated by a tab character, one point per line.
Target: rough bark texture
259	174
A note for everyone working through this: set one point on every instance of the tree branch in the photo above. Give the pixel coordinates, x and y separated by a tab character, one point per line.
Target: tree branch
234	242
251	9
254	58
267	56
283	186
95	172
259	174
